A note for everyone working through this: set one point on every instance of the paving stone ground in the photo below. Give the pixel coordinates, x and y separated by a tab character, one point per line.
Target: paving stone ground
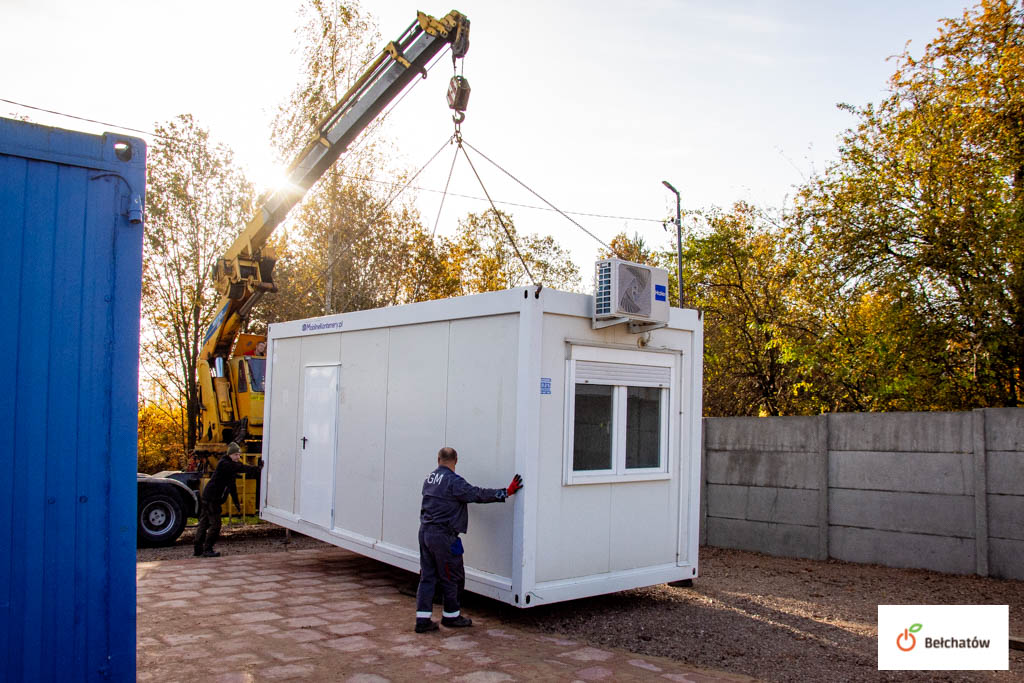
331	615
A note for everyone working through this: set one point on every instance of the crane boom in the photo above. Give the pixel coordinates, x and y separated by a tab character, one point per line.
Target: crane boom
245	272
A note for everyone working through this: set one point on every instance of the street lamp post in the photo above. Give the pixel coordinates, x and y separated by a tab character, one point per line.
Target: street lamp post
679	238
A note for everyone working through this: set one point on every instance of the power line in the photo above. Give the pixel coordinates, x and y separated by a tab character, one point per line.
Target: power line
82	118
501	201
355	177
532	191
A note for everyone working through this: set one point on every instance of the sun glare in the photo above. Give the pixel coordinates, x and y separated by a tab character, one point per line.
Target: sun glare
267	176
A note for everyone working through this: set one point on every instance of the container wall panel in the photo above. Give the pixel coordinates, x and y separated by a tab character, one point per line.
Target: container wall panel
417	386
71	263
650	542
480	425
281	445
359	475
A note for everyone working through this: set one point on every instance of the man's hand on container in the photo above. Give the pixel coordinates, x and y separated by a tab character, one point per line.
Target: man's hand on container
517	483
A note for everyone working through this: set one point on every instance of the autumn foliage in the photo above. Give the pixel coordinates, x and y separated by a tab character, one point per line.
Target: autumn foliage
896	281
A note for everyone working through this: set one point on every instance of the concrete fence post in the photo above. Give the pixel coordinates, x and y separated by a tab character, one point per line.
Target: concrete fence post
822	460
980	493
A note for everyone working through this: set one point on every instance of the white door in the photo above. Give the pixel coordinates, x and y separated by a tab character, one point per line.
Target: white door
317	444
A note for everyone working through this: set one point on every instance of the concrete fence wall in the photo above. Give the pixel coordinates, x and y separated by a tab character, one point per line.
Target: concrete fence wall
941	491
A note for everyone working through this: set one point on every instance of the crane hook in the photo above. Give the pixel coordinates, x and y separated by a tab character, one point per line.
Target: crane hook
458	98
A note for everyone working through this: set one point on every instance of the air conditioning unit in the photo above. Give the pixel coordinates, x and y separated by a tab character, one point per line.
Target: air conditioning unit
630	291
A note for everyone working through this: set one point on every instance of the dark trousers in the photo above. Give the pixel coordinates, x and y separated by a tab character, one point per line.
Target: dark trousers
439	564
208	530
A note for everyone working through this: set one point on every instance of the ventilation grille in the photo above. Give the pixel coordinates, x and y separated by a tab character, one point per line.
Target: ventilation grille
634	290
603	290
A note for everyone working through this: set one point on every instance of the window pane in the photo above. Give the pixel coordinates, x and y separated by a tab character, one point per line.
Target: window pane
592	428
257	371
643	427
242	385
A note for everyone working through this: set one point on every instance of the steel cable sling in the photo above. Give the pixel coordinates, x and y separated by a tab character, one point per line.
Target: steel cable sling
380	214
497	214
537	195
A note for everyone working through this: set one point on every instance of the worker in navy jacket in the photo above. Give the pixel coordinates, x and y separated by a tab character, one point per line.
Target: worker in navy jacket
215	493
443	517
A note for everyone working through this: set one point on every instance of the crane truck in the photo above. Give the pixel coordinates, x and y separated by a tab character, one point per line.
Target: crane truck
231	368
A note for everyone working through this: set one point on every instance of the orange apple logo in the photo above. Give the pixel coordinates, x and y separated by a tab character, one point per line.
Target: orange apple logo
906	640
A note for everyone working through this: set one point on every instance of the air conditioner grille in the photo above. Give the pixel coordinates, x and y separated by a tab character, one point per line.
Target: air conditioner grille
603	289
634	290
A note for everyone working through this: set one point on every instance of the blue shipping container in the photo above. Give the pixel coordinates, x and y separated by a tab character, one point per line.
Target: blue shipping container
71	266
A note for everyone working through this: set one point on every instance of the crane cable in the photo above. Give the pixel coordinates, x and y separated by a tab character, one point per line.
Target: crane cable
497	214
380	214
535	194
461	145
437	220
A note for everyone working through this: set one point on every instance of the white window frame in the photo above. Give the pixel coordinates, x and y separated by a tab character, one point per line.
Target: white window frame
669	407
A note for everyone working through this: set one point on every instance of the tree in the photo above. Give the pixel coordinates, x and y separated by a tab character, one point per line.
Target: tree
853	347
480	257
923	213
348	247
197	201
161	427
739	273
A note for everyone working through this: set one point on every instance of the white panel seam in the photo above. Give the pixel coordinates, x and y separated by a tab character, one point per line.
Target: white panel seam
387	392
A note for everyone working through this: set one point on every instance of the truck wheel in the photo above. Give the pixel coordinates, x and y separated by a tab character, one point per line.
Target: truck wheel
161	519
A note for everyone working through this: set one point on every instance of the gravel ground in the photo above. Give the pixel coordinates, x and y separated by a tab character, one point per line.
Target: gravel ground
776	619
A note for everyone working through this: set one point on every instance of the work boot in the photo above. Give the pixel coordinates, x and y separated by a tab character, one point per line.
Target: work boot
211	553
457	622
426	625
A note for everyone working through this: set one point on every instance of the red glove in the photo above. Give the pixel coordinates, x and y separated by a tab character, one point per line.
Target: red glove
517	483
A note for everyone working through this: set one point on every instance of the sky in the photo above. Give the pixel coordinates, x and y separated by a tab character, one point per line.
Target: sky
590	103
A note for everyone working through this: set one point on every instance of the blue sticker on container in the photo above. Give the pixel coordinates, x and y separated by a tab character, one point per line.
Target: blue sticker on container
660	292
545	385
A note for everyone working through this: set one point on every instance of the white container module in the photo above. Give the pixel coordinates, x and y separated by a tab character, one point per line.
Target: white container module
603	424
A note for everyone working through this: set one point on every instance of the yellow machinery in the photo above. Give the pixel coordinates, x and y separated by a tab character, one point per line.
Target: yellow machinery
231	368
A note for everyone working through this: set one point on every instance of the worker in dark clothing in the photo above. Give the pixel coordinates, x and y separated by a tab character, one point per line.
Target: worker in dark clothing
443	517
215	493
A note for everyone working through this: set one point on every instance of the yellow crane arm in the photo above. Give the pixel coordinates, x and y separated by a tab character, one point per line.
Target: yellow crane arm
245	272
